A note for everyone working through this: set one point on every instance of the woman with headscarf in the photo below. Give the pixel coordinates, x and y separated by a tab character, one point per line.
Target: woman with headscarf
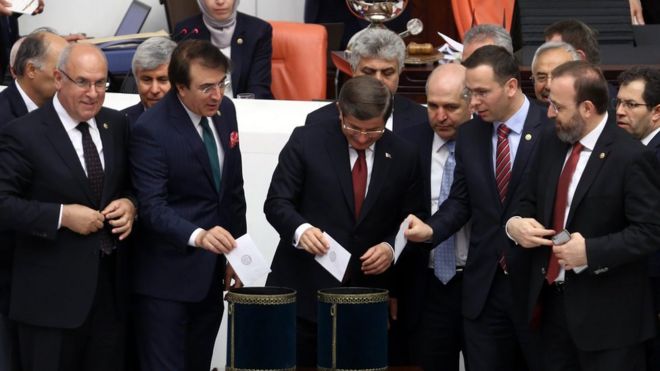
244	39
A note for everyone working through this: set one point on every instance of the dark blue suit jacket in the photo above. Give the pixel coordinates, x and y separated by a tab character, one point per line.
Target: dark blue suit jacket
11	104
251	52
406	113
133	112
312	184
654	263
474	194
54	277
173	180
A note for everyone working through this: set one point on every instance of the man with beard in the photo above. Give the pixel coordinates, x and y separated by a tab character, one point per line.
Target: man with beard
546	58
594	180
638	112
492	161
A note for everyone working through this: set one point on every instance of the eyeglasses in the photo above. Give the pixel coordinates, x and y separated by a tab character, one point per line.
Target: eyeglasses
478	94
627	104
555	107
207	89
86	84
369	133
539	78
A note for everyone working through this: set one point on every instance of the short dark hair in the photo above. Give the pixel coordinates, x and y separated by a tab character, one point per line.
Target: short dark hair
651	78
201	51
579	35
32	50
504	64
590	84
364	97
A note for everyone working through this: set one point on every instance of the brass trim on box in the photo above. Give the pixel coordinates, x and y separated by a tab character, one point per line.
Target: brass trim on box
259	369
333	313
276	299
366	298
230	313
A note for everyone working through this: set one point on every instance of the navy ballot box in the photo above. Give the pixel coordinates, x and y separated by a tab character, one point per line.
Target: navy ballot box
352	328
261	329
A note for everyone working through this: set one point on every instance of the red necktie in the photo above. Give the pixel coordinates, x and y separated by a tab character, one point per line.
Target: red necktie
503	161
561	201
359	181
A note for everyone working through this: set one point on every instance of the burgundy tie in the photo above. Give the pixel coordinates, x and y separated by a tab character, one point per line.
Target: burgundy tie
561	201
359	181
503	161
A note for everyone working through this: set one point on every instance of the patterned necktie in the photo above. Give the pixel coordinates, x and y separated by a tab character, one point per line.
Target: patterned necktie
359	174
444	254
561	201
95	176
503	161
212	151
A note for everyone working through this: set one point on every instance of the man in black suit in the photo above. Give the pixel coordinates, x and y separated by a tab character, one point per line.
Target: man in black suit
600	185
638	112
492	162
64	191
351	178
186	168
431	283
150	63
379	53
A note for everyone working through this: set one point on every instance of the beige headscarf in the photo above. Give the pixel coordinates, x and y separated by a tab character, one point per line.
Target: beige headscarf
221	30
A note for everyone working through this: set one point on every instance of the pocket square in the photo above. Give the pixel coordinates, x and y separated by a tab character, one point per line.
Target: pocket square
233	139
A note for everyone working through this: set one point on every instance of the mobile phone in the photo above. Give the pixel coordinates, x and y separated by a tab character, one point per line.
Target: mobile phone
561	237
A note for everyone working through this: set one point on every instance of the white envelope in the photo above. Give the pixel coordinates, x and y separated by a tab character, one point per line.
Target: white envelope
451	42
400	241
247	261
336	260
24	6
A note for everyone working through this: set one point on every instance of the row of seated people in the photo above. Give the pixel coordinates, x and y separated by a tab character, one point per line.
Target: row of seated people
471	294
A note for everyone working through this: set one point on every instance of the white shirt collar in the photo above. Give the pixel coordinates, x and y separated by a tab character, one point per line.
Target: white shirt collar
647	139
438	143
517	121
589	140
195	118
68	121
29	103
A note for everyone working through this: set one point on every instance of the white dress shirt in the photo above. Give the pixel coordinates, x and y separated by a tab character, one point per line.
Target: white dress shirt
647	139
29	104
516	123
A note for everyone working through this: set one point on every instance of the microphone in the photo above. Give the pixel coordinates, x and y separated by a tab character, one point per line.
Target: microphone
194	31
182	33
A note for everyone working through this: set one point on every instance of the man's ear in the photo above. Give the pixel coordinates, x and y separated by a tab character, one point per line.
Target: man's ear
655	114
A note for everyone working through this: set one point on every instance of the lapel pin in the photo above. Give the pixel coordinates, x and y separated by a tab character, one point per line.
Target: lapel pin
239	41
528	137
219	113
387	155
602	155
105	125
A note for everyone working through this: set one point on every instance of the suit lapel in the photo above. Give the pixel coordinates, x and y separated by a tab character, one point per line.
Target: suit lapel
484	156
558	154
237	50
16	102
60	140
379	173
337	148
223	137
109	145
427	161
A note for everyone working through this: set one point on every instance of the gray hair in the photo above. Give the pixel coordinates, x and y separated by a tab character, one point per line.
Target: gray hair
33	49
66	55
377	43
152	53
552	45
494	32
14	51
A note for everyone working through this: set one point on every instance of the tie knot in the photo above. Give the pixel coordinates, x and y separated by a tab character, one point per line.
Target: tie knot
204	123
450	146
83	126
503	131
577	147
360	153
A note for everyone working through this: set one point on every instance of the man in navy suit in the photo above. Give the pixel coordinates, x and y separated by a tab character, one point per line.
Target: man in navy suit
379	53
186	168
149	65
492	162
429	299
638	112
349	177
64	191
601	186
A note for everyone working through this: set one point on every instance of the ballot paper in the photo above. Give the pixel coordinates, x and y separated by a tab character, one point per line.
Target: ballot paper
247	261
400	240
24	6
335	260
451	42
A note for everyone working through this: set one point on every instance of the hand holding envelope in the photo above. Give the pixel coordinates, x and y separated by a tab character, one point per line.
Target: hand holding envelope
335	260
247	261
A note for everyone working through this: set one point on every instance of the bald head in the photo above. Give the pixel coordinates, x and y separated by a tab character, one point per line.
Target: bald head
446	104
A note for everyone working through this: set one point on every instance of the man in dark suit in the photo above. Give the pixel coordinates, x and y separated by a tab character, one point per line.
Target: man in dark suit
638	112
64	191
600	185
312	191
430	296
492	162
186	167
150	63
379	53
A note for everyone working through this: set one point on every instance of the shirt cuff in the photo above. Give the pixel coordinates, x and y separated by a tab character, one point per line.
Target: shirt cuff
298	233
59	219
391	248
193	237
506	228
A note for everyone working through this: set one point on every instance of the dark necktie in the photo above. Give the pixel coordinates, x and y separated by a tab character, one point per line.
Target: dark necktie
95	177
359	181
212	151
561	201
503	161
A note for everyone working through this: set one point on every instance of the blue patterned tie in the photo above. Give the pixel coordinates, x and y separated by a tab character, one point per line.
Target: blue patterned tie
444	255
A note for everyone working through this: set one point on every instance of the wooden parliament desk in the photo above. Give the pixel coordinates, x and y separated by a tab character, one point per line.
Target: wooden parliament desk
614	60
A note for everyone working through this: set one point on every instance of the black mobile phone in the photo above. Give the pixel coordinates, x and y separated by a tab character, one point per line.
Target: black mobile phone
561	237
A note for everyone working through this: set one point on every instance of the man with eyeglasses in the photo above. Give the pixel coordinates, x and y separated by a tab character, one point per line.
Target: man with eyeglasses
492	162
186	168
349	177
379	53
599	185
637	108
546	58
64	191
